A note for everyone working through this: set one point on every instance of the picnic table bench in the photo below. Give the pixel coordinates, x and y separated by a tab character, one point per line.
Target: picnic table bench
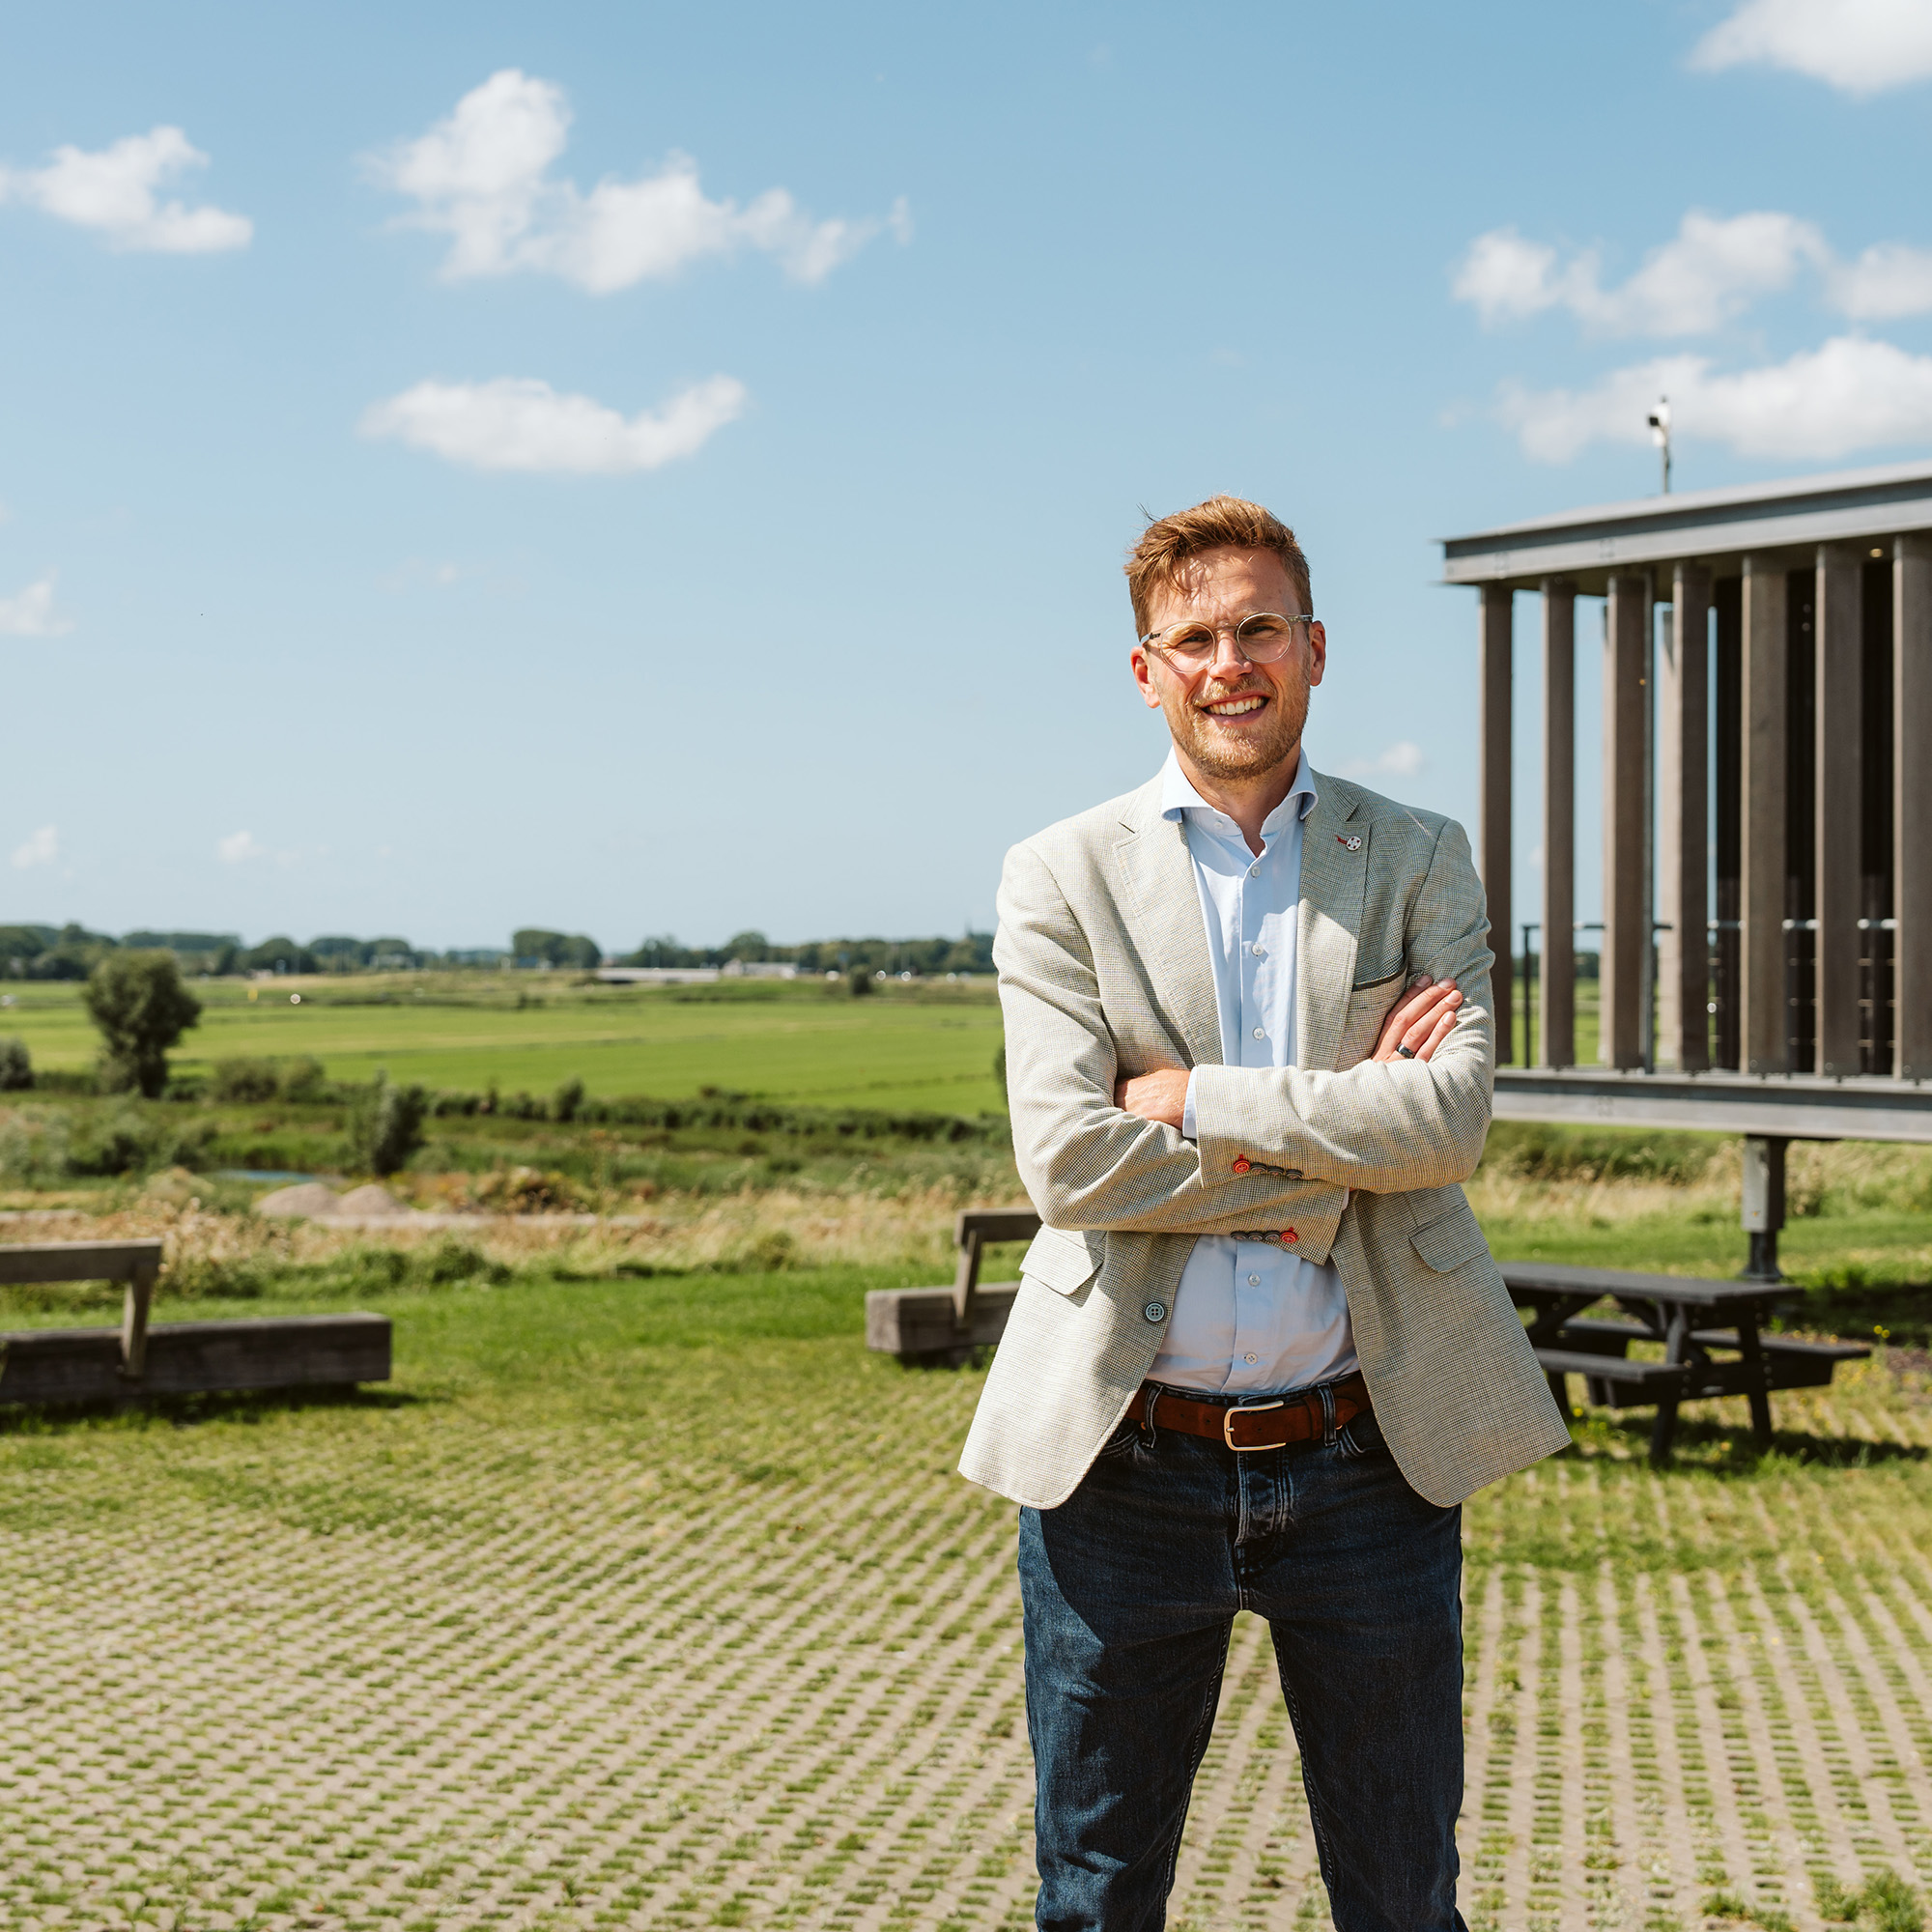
58	1365
1687	1315
1690	1317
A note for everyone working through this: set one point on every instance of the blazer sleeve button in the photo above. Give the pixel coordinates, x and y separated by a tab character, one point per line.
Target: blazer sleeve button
1242	1163
1291	1173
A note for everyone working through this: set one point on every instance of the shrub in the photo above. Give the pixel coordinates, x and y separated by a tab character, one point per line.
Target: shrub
303	1079
448	1260
566	1101
16	1065
385	1126
142	1008
860	982
244	1079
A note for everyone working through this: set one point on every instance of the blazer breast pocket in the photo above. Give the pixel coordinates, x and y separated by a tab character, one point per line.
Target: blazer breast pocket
1066	1259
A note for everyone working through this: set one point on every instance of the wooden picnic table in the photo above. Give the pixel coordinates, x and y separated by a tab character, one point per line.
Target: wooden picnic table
1691	1316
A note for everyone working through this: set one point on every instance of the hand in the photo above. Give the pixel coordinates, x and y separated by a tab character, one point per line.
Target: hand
1160	1095
1420	1021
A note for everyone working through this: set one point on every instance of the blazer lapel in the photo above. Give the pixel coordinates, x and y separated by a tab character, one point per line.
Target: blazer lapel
1334	889
1162	908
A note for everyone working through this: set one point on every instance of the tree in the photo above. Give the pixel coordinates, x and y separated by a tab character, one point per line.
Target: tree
385	1126
142	1008
16	1064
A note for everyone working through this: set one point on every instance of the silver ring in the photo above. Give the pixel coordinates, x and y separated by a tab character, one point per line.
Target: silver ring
1406	1052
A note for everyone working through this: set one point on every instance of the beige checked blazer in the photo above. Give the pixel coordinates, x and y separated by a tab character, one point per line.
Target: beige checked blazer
1105	972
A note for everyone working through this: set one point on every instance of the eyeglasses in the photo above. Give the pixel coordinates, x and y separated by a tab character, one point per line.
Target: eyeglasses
1260	638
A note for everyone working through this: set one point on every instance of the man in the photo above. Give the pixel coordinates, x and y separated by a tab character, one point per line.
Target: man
1260	1352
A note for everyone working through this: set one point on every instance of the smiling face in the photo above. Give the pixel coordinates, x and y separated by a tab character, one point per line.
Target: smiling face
1232	721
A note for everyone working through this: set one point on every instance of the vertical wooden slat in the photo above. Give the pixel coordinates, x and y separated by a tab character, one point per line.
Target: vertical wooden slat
1837	793
1559	823
1727	800
1912	806
1625	762
1765	703
1682	850
1493	836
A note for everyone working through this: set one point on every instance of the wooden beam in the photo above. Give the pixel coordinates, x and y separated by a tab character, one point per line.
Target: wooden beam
1766	708
78	1261
1912	807
1837	795
1493	848
918	1325
1559	1042
1625	770
1682	850
55	1365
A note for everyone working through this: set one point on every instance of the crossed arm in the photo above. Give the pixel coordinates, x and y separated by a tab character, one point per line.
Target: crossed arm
1098	1152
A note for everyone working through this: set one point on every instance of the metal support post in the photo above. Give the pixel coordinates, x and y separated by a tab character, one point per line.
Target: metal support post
1764	1202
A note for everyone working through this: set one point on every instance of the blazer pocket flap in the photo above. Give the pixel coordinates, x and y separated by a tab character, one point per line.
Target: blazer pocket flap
1369	981
1447	1244
1064	1261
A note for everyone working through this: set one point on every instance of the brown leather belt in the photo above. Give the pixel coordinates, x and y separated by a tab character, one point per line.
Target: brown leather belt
1252	1425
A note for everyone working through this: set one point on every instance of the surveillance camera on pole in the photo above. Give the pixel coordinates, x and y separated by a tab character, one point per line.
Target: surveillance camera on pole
1659	434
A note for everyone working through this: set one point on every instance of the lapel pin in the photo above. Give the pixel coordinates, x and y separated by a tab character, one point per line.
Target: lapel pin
1349	844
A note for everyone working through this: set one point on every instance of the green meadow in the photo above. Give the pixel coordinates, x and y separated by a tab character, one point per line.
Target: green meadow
923	1047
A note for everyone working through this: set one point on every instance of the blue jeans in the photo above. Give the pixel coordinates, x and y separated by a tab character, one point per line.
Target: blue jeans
1130	1589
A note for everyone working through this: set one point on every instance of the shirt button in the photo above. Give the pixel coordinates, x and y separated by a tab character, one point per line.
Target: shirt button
1250	1358
1260	952
1254	1281
1261	1033
1254	871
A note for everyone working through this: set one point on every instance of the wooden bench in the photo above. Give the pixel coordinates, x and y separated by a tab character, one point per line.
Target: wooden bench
1679	1313
57	1365
943	1327
1612	1381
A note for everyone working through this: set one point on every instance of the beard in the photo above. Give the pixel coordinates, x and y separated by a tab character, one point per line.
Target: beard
1222	754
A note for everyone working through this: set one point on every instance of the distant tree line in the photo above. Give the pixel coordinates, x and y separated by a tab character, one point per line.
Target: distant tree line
973	953
72	953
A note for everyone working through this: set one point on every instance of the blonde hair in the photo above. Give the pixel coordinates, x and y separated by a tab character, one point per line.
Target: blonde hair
1169	544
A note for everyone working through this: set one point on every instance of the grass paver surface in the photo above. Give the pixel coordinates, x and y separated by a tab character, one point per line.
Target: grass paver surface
658	1603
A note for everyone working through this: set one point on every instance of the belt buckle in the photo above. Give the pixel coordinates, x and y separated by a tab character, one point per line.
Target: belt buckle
1227	1416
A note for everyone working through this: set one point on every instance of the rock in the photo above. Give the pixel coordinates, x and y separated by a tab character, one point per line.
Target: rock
369	1201
310	1201
175	1185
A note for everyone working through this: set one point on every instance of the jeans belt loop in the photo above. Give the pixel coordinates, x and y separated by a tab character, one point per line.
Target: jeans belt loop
1146	1419
1328	1430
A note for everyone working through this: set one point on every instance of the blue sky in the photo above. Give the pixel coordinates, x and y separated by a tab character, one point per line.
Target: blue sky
642	470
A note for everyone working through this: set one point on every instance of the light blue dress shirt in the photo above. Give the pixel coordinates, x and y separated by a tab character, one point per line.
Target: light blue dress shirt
1250	1317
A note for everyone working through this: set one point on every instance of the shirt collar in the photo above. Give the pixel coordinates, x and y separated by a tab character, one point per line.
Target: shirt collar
1177	796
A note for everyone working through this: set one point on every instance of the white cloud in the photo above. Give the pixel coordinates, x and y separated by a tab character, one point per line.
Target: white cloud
238	847
482	177
114	192
38	849
1709	273
1859	46
1848	394
521	423
1400	760
32	613
1888	280
1711	270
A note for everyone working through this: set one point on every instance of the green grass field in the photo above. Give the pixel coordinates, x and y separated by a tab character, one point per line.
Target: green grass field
907	1047
658	1603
